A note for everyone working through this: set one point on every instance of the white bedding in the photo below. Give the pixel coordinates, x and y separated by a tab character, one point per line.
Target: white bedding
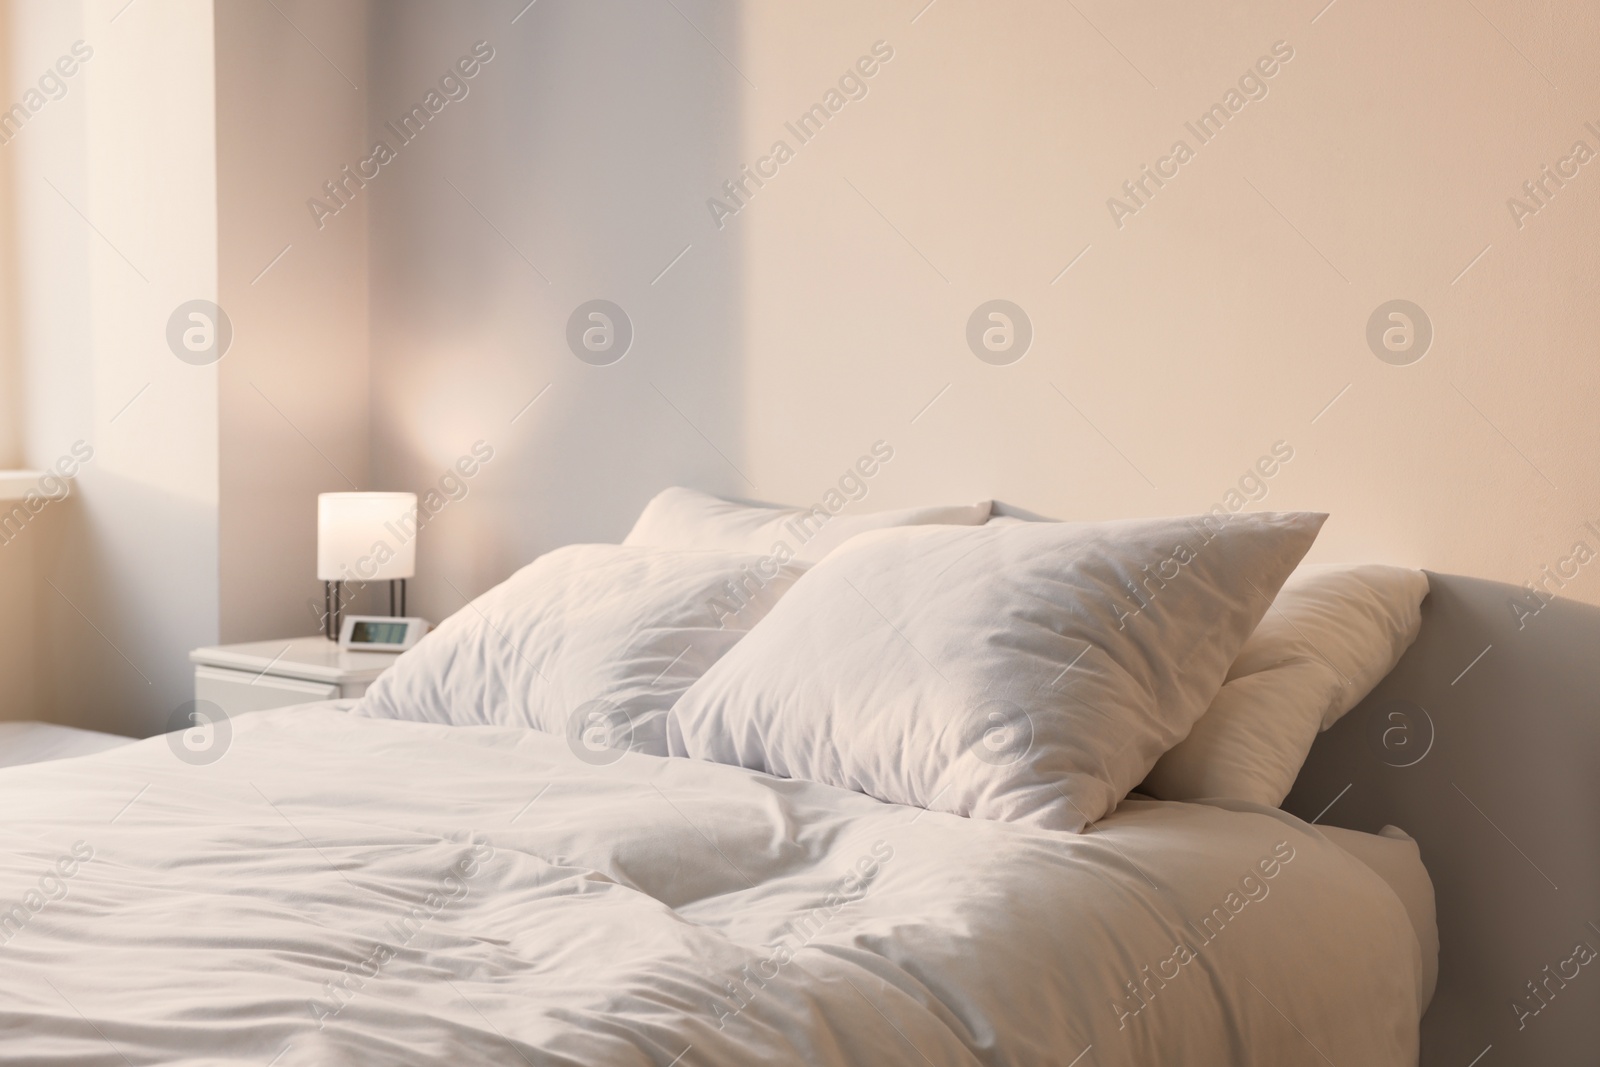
567	913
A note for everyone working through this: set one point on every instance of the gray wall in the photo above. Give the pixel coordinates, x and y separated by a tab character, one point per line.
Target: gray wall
573	170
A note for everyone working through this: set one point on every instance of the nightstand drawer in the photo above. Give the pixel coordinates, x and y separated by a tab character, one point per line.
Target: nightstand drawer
237	692
257	675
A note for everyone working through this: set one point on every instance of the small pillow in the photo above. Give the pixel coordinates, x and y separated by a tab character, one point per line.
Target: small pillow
687	518
1332	634
1023	672
594	641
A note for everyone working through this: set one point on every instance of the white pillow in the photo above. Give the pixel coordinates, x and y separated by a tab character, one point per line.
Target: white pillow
1333	632
688	518
594	641
1030	673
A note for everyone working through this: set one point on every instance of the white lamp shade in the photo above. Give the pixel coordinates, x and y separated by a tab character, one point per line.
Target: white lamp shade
366	537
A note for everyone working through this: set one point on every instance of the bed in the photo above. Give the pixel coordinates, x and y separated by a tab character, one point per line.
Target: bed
349	887
1483	743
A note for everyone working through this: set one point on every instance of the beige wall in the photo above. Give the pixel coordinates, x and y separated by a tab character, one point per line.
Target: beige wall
1223	316
1218	320
293	388
189	149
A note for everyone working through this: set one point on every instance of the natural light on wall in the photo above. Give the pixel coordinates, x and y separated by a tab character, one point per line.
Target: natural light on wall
113	193
10	424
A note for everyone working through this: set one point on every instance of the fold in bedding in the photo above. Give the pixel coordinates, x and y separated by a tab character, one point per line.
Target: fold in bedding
342	890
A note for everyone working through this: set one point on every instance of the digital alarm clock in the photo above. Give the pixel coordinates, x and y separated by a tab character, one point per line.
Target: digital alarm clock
381	633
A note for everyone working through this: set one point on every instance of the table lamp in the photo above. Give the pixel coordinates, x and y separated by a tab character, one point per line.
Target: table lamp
361	538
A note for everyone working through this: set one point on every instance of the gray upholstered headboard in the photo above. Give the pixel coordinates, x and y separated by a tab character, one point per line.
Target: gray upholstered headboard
1484	745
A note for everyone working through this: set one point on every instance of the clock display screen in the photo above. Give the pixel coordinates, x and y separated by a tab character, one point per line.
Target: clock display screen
378	633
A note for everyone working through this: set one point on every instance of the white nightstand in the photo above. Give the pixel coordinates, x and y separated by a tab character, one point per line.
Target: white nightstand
273	674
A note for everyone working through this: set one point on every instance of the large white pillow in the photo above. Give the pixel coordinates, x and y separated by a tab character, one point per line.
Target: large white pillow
1030	672
688	518
594	641
1333	632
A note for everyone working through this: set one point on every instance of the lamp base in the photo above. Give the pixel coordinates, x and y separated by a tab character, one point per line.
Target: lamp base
332	609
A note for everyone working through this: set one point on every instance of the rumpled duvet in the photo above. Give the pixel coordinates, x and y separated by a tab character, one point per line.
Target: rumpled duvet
344	890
